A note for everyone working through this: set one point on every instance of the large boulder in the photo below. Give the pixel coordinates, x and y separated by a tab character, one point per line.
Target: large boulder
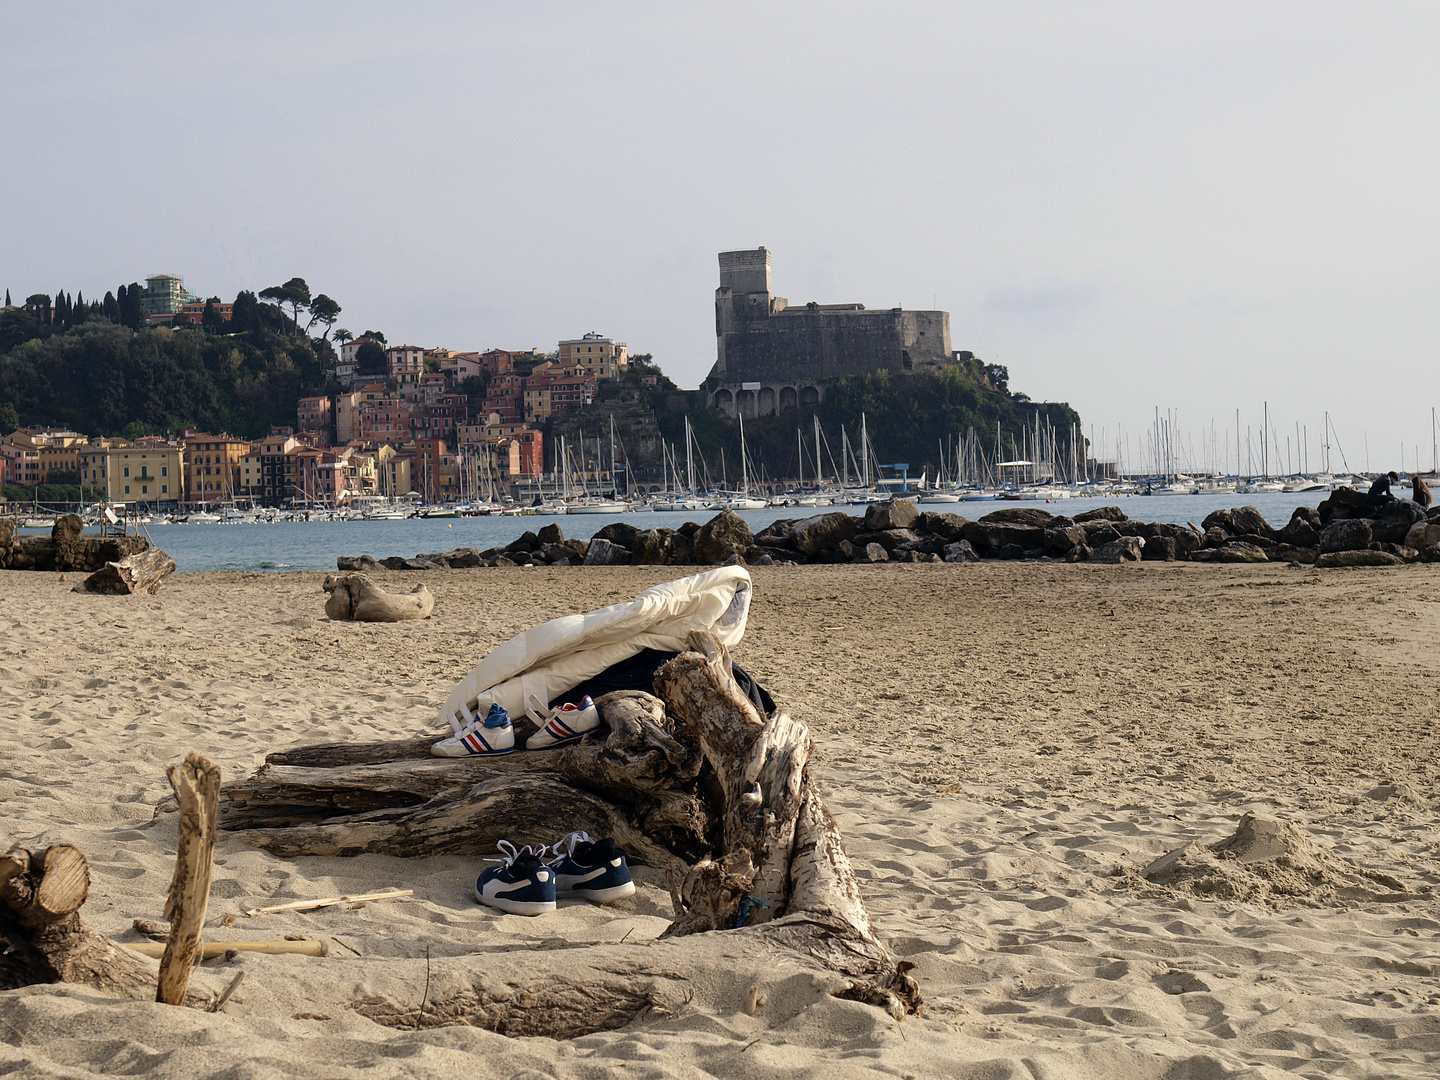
777	533
723	536
550	534
1345	534
1423	534
891	514
1302	530
821	532
1359	558
603	552
1101	513
947	526
960	552
873	553
1159	549
650	547
1186	541
526	541
617	532
1123	549
1240	551
1061	541
1391	523
458	559
993	535
1344	502
1099	532
1238	521
1250	522
1021	515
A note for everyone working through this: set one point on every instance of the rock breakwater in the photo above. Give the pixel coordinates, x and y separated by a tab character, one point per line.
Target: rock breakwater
1344	530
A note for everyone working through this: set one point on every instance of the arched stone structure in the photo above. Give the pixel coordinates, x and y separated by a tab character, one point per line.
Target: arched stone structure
788	398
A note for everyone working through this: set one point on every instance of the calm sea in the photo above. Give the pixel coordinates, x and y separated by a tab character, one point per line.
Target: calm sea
294	545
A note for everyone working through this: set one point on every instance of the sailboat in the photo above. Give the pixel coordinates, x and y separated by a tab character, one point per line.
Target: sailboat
742	500
598	504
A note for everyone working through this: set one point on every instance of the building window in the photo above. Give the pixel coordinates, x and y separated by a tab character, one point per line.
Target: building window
127	489
164	470
127	473
164	489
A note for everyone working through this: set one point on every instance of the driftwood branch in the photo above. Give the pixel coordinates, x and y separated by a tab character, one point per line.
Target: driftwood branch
196	783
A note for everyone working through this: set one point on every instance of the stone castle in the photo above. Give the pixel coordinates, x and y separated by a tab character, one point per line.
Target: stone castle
771	357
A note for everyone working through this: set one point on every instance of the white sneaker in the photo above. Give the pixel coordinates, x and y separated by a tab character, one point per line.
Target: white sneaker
493	735
562	725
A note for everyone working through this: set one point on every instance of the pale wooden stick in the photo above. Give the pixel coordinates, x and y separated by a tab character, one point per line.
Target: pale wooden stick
197	787
331	901
210	949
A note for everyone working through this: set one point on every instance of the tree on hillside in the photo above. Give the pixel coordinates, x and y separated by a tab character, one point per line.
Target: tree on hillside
294	292
132	306
323	310
7	298
342	335
377	335
210	320
370	358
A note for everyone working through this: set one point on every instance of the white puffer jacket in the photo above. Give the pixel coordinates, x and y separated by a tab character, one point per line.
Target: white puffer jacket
545	661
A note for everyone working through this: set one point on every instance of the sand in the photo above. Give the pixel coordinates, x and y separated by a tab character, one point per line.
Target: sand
1006	747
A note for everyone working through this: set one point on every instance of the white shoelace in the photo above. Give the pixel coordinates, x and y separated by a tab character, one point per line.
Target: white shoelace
570	841
508	853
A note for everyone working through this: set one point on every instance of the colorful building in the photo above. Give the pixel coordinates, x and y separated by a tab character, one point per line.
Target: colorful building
600	356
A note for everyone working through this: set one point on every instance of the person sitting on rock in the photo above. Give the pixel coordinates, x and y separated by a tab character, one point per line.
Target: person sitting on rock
1419	490
1380	489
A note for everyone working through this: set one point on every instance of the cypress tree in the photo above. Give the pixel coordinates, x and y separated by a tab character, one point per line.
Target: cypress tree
7	298
110	307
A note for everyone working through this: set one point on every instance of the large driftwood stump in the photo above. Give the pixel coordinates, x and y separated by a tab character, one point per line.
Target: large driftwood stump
694	781
42	938
139	574
354	597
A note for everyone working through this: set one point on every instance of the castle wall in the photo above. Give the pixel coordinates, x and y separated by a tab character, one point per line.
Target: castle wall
789	350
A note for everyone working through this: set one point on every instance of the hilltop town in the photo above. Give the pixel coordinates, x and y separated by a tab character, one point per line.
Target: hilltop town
156	398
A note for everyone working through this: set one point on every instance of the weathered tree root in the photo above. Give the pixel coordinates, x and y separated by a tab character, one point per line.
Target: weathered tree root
355	597
695	781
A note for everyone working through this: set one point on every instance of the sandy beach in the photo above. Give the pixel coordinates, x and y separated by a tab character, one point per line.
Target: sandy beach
1005	746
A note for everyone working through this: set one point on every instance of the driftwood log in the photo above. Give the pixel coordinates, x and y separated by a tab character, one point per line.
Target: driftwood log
140	574
42	938
694	781
354	597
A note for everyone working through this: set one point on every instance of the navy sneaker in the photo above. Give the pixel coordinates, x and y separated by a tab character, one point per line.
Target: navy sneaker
521	885
593	870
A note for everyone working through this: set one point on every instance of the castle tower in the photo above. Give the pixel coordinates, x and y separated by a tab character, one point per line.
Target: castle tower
743	294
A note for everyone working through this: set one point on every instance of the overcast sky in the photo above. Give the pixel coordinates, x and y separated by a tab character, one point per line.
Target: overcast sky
1192	207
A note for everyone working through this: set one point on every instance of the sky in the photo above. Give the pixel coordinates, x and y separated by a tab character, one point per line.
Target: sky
1189	208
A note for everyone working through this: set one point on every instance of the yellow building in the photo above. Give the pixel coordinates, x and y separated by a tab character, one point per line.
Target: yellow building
137	473
603	357
212	467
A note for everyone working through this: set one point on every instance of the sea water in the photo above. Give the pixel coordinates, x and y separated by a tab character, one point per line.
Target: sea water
315	545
